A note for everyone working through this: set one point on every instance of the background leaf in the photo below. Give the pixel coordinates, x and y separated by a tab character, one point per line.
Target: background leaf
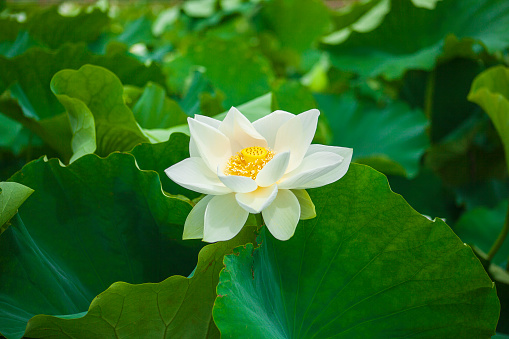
154	110
481	226
54	30
93	96
28	76
411	37
392	139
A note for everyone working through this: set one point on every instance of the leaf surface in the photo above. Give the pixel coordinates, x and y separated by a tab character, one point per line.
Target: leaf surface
368	266
100	120
391	139
86	226
412	37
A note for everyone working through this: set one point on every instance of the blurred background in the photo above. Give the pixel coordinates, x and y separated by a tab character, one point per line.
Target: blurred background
391	79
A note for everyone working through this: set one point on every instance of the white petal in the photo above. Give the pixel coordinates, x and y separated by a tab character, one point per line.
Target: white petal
338	172
255	202
270	124
237	183
193	149
307	208
296	135
273	170
212	145
208	120
240	131
195	221
313	166
282	216
224	218
193	174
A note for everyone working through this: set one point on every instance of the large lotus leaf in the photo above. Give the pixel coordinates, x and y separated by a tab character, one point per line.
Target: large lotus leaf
490	90
297	23
12	195
412	37
178	307
368	266
392	139
481	226
93	96
53	29
86	226
247	76
29	75
155	110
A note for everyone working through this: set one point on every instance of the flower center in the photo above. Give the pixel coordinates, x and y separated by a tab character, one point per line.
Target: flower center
248	162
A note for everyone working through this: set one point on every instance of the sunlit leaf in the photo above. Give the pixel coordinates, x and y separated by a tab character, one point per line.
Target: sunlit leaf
100	120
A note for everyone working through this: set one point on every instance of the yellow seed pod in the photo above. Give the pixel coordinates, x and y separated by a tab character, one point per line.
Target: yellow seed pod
251	154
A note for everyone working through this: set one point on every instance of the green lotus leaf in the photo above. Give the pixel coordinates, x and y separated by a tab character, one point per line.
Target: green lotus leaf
155	110
247	76
490	90
368	266
297	23
12	195
28	75
86	226
53	29
392	138
100	120
412	37
178	307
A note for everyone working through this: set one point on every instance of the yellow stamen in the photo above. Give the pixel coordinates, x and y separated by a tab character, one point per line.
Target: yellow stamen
248	162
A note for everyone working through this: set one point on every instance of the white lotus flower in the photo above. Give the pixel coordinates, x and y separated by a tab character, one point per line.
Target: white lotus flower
245	167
